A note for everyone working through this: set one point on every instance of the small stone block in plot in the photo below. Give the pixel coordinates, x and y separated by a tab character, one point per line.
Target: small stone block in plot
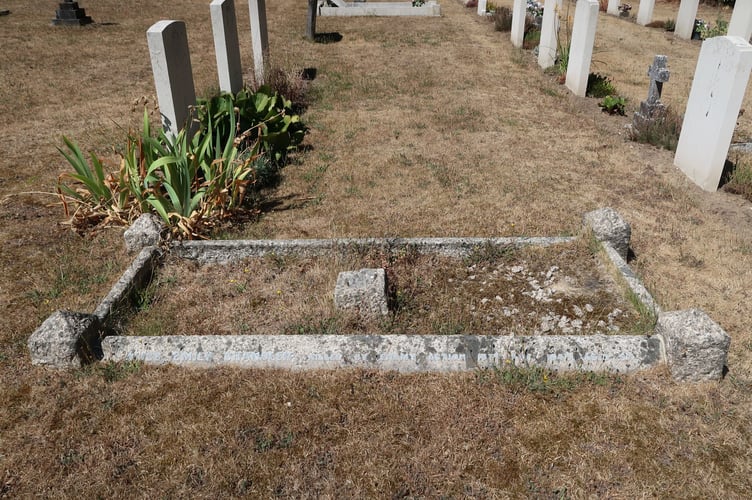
363	290
696	346
144	232
610	227
65	340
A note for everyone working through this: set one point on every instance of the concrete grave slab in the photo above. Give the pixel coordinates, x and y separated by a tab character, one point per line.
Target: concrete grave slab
741	20
581	47
144	232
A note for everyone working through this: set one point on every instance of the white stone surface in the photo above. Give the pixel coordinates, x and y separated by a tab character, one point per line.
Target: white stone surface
645	13
405	353
481	7
696	346
549	33
386	9
259	37
363	291
685	19
581	47
519	11
717	92
613	7
741	20
226	45
173	76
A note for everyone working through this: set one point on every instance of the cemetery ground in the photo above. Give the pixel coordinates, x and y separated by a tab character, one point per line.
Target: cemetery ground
418	127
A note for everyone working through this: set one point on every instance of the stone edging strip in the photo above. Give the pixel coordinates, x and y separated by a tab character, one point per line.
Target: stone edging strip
404	353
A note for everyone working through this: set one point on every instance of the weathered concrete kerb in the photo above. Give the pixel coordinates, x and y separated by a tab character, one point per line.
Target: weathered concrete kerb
694	347
404	353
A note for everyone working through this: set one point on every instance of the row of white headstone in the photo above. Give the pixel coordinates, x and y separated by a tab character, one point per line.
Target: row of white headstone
718	88
171	59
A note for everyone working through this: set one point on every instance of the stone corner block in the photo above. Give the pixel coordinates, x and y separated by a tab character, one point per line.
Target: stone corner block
65	340
610	227
363	290
696	346
144	232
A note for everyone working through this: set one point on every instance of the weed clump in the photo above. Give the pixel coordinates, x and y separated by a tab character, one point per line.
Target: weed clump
502	19
662	132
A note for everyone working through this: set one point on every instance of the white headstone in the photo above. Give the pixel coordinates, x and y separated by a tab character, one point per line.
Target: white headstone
519	12
741	20
226	45
581	46
481	7
173	76
549	40
685	19
713	107
259	36
645	14
613	7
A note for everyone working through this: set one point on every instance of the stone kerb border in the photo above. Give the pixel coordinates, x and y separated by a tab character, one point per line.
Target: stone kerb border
694	347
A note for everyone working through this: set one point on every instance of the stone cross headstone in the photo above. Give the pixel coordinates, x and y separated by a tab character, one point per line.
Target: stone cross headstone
226	45
645	14
519	12
652	109
311	19
173	76
549	37
613	7
741	20
70	14
581	46
716	96
259	37
685	19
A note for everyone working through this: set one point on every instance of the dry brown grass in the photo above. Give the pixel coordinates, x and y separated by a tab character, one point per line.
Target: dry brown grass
419	128
491	292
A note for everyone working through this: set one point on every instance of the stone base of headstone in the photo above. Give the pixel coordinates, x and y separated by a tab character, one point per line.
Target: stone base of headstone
647	115
70	14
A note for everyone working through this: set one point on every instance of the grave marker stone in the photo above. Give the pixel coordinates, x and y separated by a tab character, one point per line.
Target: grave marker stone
652	109
311	20
70	14
685	19
259	37
613	7
226	45
549	38
717	92
519	12
481	7
581	47
741	20
173	76
645	13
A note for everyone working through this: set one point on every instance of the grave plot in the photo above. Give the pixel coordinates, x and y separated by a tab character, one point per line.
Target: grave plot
562	289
